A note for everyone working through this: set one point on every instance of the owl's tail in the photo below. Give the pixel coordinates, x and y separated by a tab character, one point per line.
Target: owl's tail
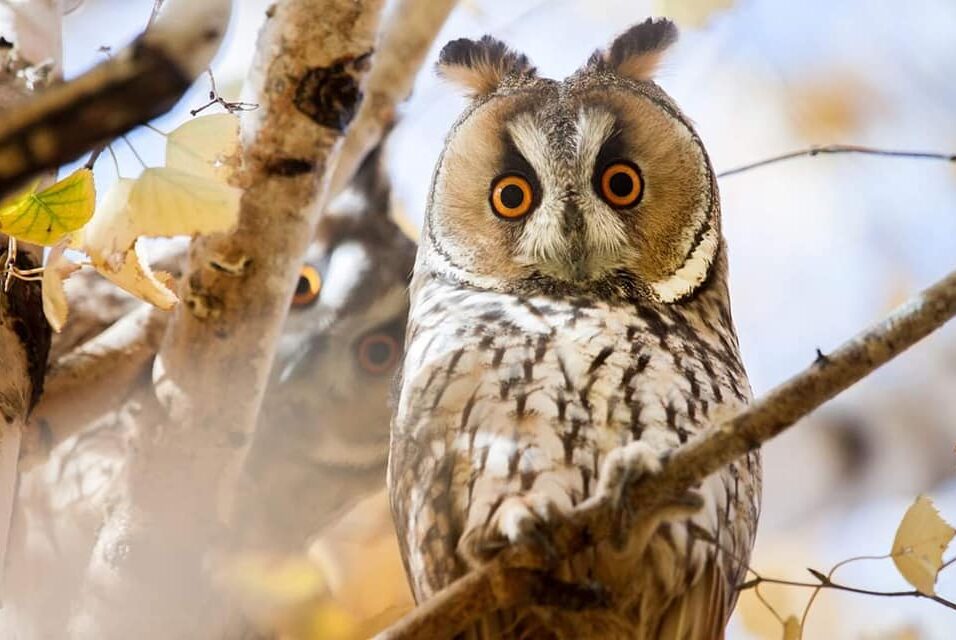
509	625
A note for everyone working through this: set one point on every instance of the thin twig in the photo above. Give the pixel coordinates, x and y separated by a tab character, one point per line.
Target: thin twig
838	149
215	98
694	461
829	584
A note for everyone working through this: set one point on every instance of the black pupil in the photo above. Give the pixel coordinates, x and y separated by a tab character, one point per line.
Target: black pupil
621	184
512	196
379	352
303	287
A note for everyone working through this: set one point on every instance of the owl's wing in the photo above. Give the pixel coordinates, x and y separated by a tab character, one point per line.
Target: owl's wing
703	610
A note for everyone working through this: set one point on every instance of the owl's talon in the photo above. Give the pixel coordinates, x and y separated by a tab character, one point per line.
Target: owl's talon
625	467
521	521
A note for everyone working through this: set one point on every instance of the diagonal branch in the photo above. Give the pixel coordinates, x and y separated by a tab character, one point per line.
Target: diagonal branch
143	81
484	590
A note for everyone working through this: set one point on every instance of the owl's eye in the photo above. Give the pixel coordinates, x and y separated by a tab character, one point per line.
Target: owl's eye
511	196
308	287
377	353
620	184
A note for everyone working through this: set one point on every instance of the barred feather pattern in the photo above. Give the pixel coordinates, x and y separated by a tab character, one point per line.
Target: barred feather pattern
508	396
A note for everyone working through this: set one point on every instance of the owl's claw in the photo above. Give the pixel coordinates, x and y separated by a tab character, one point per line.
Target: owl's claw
522	521
623	468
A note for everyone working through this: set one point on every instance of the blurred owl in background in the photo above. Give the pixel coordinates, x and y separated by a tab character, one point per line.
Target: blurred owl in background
569	327
323	434
322	439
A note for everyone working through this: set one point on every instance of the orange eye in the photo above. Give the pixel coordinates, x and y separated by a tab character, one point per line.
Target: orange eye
511	196
621	184
377	353
308	288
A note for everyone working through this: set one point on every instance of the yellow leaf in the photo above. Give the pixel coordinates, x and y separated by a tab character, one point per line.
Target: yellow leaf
327	621
274	581
690	13
791	629
203	145
170	202
47	216
920	541
56	270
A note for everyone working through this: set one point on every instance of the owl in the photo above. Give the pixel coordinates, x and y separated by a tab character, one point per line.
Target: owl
569	327
322	439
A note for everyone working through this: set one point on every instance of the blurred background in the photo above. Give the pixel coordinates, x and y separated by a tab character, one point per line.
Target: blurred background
819	247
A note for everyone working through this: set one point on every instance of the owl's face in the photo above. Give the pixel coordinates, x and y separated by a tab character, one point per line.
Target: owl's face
594	184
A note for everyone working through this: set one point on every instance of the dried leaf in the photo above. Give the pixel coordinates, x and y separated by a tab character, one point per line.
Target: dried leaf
920	541
161	202
56	270
169	202
131	273
202	145
791	629
110	242
46	217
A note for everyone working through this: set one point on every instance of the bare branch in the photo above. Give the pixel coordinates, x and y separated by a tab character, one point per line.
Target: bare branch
407	35
832	149
475	594
91	380
143	81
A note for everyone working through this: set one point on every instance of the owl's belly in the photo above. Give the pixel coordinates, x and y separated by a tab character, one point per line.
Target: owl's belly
532	410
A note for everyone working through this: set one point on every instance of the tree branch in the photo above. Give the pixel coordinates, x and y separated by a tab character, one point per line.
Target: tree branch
408	33
92	380
475	594
143	81
149	570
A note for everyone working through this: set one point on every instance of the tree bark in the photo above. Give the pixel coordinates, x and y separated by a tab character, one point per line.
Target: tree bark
149	572
410	29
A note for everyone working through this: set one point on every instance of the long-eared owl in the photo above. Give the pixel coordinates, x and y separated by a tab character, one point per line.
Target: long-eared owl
570	326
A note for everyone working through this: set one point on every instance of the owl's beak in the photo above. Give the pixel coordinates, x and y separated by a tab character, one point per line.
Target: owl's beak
577	258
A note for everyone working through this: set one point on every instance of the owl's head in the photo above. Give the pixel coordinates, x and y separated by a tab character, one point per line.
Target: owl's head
597	183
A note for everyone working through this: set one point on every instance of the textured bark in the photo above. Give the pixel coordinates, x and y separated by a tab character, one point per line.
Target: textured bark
407	35
487	588
141	82
148	573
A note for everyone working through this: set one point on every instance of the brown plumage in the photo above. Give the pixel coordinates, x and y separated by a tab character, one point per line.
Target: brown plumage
569	326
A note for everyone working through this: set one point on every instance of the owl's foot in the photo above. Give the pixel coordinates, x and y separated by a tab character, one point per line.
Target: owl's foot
520	520
625	467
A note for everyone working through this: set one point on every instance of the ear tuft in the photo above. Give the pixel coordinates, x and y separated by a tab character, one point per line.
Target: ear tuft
636	53
481	66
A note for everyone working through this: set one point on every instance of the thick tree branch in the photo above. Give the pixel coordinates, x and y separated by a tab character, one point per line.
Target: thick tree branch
408	33
149	570
141	82
92	380
476	593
